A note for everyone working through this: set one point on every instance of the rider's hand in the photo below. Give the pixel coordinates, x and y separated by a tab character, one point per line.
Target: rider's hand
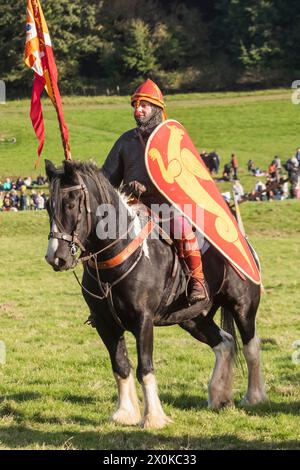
135	188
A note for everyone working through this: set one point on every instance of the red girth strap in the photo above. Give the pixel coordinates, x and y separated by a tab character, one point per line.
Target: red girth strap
128	251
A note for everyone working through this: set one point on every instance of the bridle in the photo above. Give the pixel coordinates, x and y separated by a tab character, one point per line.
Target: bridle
73	239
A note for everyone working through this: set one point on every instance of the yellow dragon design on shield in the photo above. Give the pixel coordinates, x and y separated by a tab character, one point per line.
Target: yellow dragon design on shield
184	168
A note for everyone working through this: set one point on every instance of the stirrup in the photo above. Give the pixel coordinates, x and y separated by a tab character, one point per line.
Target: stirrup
198	295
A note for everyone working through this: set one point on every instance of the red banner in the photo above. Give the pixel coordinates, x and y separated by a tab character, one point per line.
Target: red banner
39	56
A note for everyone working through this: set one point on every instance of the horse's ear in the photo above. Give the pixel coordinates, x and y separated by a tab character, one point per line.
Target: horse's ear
50	170
69	168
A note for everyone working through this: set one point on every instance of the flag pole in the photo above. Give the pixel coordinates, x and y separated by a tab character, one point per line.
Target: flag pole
40	34
238	215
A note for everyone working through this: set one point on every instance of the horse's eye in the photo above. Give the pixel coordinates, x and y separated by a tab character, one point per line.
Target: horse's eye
71	205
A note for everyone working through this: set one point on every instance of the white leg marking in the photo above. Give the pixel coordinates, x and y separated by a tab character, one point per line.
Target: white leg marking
128	411
220	385
52	245
154	416
256	391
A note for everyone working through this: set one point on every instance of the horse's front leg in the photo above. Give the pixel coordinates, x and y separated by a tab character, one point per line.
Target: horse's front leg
128	411
154	416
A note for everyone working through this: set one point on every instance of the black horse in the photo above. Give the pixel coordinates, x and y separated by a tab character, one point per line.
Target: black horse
132	281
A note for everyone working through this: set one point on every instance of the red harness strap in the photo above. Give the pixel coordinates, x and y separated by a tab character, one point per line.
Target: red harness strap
128	251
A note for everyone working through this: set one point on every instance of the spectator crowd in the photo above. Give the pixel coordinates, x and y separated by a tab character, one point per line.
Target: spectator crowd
22	194
281	180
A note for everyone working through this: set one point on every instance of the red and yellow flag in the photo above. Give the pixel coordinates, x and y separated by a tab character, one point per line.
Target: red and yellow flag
39	57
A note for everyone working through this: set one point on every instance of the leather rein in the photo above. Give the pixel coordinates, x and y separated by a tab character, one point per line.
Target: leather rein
91	258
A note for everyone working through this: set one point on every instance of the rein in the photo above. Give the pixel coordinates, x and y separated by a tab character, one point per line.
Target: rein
91	259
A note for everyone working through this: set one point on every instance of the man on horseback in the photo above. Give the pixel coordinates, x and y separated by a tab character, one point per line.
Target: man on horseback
125	163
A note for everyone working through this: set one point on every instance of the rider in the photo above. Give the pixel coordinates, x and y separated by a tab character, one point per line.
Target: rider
126	163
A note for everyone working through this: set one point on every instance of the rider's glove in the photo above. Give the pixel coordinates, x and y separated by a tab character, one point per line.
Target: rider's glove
136	188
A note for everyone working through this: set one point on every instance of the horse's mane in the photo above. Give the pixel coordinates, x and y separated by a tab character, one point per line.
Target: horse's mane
90	172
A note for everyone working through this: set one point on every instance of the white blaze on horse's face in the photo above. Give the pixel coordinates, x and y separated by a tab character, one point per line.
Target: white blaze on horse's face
52	247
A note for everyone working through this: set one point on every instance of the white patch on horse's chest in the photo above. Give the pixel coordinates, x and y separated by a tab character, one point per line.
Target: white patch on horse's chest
137	225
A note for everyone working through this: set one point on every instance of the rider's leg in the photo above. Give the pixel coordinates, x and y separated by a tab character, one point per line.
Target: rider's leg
187	244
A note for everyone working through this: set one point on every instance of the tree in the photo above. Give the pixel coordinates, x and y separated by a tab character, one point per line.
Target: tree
138	52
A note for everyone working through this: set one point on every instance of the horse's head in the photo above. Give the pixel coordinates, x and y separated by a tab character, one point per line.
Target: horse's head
70	215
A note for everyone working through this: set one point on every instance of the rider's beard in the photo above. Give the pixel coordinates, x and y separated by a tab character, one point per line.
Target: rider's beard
146	124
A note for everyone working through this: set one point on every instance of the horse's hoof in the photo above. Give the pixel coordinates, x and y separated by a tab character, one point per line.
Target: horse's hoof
155	421
126	417
220	404
254	399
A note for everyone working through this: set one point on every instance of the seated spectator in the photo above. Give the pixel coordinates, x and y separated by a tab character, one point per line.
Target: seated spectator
28	181
260	187
285	190
40	180
250	166
19	183
238	190
7	204
227	172
7	186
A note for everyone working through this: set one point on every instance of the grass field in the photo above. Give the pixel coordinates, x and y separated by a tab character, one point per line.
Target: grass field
254	125
56	388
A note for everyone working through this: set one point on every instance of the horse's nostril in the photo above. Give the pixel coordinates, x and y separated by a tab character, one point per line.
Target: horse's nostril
60	262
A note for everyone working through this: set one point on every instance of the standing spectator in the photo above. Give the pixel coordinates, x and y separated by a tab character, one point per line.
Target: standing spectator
40	203
277	162
235	165
23	198
33	202
14	198
272	171
216	161
297	155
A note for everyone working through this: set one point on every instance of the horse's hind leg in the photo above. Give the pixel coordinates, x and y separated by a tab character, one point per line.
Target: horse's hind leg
256	389
244	313
245	320
220	386
128	411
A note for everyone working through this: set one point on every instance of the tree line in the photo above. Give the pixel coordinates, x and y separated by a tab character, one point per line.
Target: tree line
108	46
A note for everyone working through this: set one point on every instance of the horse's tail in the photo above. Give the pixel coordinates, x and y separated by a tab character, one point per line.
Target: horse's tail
227	324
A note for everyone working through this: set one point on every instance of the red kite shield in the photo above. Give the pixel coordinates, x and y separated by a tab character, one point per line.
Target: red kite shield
177	170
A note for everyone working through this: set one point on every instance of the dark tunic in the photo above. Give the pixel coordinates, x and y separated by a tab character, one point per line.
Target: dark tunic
126	162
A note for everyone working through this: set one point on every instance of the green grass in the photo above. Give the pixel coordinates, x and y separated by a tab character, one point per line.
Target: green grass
56	388
256	125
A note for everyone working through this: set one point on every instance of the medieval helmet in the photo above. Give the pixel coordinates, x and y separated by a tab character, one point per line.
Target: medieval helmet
150	92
